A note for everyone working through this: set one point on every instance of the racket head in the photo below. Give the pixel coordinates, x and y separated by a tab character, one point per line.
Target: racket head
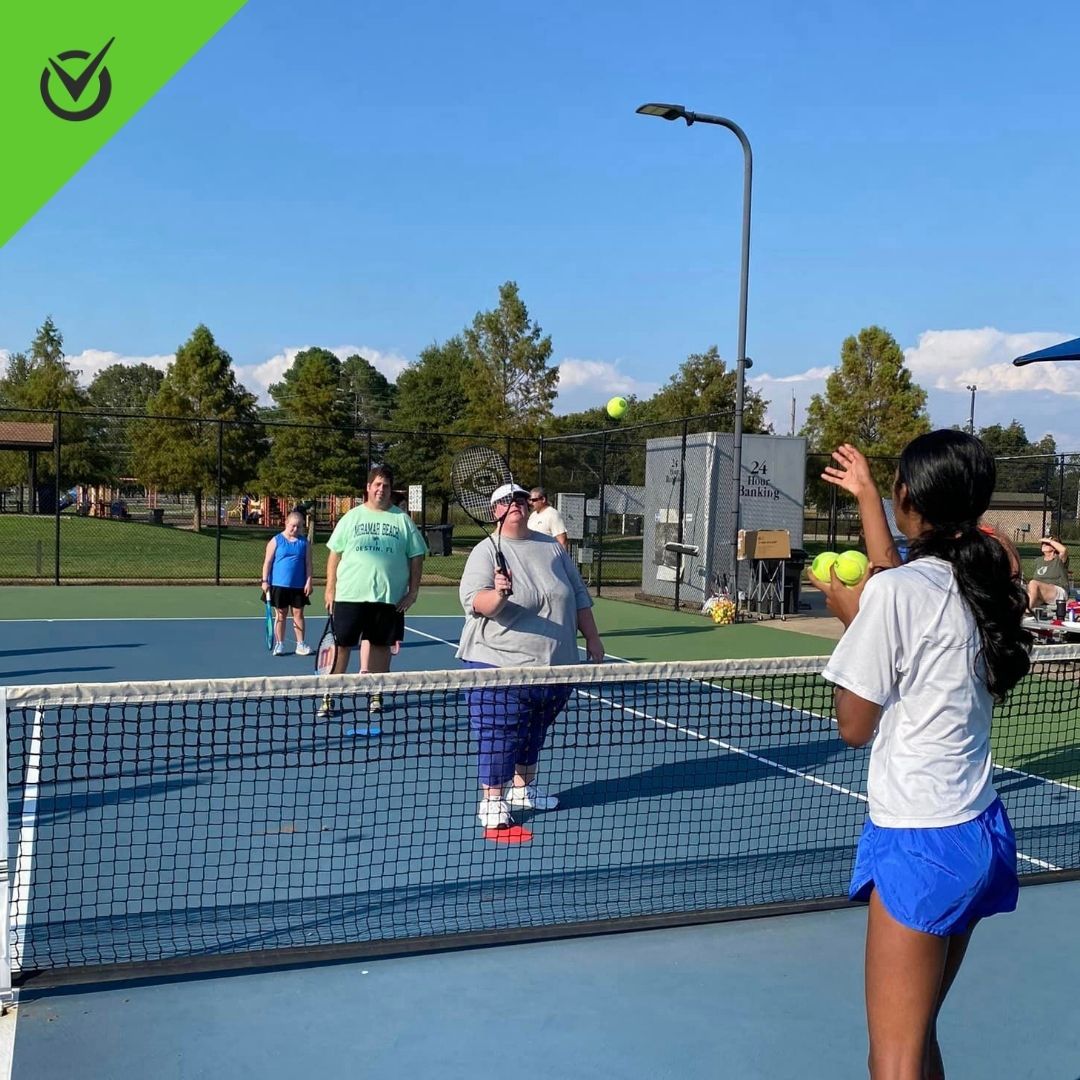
326	653
269	620
474	474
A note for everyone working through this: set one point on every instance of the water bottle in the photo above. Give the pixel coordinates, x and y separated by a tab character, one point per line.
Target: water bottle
1059	611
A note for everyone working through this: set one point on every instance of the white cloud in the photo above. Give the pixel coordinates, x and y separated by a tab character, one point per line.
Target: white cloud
90	362
945	362
953	359
584	384
779	390
259	377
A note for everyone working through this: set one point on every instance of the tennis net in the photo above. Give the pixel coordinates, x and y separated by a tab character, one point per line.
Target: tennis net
190	825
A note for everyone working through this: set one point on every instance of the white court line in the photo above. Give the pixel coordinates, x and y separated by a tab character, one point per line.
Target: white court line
20	889
20	883
731	748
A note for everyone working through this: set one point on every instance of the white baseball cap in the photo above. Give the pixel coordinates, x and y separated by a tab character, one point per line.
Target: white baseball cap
504	490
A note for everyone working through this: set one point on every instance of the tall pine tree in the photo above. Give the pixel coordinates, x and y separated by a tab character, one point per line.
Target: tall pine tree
178	449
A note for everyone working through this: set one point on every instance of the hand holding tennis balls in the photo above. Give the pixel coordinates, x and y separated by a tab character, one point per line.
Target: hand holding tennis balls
616	407
819	568
850	567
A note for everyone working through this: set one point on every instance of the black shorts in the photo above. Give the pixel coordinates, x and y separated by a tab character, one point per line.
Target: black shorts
283	598
363	621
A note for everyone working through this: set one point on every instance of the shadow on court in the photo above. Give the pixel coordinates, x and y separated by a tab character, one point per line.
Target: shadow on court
699	774
41	650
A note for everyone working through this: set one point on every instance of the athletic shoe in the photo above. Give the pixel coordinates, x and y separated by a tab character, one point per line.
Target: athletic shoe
303	648
374	703
529	797
493	813
279	648
327	708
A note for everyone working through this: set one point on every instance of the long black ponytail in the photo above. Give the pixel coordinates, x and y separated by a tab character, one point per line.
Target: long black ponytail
950	476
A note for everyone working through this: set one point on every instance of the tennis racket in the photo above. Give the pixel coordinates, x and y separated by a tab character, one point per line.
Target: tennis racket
269	622
475	473
326	653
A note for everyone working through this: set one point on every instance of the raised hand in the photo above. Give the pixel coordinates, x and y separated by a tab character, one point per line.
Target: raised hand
851	472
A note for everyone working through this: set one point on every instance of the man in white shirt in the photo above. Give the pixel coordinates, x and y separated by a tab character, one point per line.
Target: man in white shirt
545	518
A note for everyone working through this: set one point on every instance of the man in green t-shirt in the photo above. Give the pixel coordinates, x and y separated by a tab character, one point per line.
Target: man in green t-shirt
372	573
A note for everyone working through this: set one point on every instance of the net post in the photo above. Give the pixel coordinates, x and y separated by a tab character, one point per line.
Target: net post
217	543
7	996
56	509
682	508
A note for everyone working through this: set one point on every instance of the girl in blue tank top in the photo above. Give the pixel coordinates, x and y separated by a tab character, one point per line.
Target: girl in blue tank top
286	580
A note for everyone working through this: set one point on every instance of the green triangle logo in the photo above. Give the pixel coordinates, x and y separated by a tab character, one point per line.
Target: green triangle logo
74	73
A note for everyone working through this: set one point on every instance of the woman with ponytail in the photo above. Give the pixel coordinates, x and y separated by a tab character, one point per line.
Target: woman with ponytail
928	647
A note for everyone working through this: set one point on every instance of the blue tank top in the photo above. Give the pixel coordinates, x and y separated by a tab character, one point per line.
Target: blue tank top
289	569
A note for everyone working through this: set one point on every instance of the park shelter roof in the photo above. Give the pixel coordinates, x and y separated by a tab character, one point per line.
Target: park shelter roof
15	435
1065	350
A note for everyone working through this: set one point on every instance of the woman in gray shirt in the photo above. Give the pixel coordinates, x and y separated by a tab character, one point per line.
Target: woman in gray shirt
528	617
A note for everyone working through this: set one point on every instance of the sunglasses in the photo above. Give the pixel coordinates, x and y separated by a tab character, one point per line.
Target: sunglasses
506	500
536	500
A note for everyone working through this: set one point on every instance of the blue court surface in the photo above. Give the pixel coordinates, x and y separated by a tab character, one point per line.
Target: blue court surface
772	997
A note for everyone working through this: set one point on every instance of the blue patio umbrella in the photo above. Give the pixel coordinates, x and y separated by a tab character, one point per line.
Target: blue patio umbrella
1067	350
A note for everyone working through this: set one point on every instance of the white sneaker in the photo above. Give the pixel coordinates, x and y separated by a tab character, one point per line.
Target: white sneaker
303	648
529	797
279	648
375	703
493	813
327	708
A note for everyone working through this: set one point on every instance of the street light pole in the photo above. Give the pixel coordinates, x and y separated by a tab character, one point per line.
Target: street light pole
971	411
742	361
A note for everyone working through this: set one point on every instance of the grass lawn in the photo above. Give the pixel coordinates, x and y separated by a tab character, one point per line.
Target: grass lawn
100	549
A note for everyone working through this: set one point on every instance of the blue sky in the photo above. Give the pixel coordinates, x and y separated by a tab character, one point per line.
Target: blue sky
364	177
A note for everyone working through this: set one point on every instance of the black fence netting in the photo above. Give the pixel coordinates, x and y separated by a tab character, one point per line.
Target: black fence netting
133	498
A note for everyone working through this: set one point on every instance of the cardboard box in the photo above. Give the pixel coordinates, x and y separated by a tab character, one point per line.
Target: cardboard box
764	544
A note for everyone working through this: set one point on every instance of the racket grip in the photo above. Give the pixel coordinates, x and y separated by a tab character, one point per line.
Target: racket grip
504	570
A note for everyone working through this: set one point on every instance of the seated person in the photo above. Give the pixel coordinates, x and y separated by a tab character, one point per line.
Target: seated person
1050	580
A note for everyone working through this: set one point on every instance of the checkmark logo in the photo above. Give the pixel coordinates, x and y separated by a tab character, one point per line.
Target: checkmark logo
72	81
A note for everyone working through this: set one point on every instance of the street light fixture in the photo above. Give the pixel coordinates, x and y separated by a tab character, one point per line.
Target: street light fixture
971	410
742	361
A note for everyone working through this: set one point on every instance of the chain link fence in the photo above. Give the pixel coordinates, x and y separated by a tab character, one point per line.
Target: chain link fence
79	502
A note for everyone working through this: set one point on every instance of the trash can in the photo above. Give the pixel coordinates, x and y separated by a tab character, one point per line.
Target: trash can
157	515
793	569
439	539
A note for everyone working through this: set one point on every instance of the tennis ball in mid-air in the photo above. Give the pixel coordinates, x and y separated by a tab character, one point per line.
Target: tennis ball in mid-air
820	566
850	567
616	407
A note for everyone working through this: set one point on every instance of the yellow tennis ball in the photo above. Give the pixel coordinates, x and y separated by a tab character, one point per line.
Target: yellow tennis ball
616	407
819	568
850	567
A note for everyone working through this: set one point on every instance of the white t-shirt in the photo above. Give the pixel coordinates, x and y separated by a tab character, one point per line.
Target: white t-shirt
914	649
548	521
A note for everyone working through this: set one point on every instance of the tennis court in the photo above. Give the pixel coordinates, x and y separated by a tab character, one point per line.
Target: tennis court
208	825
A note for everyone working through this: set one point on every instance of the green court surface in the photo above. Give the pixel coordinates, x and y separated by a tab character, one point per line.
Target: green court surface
632	631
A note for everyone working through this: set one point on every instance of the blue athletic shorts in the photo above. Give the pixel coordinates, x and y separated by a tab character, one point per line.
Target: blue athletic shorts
510	724
940	881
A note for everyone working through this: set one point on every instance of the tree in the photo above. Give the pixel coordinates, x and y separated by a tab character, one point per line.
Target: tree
367	393
871	401
1023	465
115	390
319	457
178	449
431	398
41	381
704	385
511	387
124	387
